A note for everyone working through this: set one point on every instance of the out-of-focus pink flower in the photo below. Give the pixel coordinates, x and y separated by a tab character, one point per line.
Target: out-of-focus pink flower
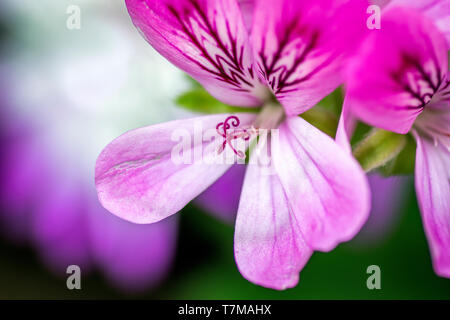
222	197
437	10
399	81
62	99
63	220
317	195
387	200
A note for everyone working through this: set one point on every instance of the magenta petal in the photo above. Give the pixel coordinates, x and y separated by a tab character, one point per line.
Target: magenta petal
326	187
268	244
247	9
299	46
397	70
205	38
138	180
433	193
436	10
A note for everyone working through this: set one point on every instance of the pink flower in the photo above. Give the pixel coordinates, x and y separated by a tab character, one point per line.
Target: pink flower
313	195
399	81
64	222
436	10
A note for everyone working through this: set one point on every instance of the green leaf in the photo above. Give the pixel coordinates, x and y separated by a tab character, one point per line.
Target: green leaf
199	100
325	115
323	119
403	163
333	102
360	132
378	148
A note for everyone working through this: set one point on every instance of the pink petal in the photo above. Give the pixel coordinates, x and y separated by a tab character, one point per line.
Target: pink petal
346	126
138	180
396	70
247	9
436	10
326	187
299	46
268	244
205	38
433	192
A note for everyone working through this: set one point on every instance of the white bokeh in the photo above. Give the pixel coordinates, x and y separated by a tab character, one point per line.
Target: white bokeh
83	88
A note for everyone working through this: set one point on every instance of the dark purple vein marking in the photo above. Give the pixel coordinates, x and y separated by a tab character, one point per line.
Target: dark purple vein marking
278	77
228	66
411	63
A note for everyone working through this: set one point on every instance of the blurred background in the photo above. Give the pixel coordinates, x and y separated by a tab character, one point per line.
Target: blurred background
64	94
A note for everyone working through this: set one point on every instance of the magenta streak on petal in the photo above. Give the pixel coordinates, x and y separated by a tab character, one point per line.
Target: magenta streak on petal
247	8
231	60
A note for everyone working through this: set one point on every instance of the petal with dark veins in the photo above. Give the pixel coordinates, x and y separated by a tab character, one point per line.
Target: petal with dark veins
300	46
205	38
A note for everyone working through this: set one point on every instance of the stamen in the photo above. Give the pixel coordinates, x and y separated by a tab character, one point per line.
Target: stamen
270	117
228	134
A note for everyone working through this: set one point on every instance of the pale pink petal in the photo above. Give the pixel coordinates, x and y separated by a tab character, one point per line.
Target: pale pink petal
346	126
326	187
300	45
397	70
436	10
433	193
138	179
268	244
205	38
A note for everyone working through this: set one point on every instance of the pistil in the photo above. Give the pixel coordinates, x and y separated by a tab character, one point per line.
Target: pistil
270	117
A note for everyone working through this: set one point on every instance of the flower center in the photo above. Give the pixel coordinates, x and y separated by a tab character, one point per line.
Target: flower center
420	80
271	115
229	134
433	124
